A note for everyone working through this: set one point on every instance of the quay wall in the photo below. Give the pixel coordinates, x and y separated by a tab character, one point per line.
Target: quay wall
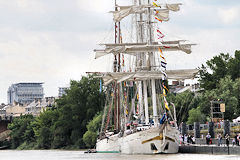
211	149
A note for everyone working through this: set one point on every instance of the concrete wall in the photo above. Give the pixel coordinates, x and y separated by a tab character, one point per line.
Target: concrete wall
222	150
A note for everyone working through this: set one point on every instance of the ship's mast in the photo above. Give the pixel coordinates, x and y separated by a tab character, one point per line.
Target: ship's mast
117	67
140	65
144	82
150	62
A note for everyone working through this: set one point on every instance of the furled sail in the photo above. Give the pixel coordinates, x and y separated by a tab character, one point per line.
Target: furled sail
125	11
135	48
109	77
163	15
173	7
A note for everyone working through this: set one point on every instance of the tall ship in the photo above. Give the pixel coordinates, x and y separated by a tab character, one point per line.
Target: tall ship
137	117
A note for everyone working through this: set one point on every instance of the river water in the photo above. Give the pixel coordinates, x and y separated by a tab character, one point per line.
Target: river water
79	155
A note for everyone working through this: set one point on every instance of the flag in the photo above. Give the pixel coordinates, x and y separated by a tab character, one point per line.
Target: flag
160	34
164	75
164	86
166	103
163	64
164	92
162	57
158	19
155	4
160	50
166	106
166	47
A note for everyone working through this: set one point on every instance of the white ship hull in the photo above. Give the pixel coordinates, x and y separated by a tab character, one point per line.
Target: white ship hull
144	142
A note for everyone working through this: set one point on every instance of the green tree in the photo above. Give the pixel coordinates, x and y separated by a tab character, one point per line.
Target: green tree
21	130
195	115
215	69
183	102
77	108
43	128
227	90
234	66
93	126
62	126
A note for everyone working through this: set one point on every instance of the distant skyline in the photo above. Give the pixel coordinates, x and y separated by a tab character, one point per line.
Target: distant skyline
53	41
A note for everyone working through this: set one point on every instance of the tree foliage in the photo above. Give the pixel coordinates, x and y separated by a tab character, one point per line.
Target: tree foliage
219	67
22	130
219	79
195	115
183	102
64	125
93	126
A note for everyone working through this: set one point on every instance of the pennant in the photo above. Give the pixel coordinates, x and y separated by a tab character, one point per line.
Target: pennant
160	50
164	76
166	106
162	65
166	103
155	4
166	47
158	19
164	86
162	57
164	92
161	35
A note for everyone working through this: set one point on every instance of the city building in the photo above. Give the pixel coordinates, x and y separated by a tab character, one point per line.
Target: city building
179	87
14	110
24	93
62	91
39	105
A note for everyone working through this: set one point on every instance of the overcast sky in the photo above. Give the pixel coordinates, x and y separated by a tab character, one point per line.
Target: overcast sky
52	41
